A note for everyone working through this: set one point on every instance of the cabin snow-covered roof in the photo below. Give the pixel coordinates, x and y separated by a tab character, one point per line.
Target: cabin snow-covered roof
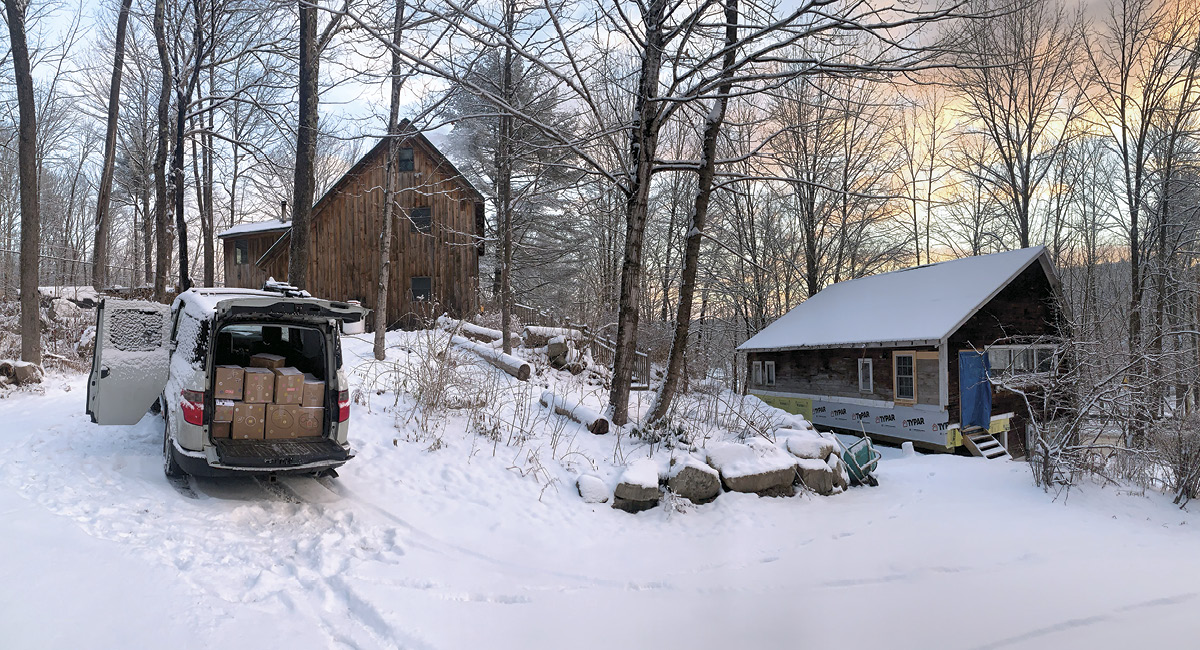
915	306
256	227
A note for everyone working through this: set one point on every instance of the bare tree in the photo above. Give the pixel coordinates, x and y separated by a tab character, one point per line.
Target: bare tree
389	187
103	194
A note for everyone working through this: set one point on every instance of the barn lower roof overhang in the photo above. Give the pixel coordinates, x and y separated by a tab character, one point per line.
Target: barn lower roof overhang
913	343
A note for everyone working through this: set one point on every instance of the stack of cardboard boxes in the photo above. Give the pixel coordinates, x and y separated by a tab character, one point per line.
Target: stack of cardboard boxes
267	401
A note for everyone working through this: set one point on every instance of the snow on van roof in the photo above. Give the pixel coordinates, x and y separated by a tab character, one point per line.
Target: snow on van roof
919	305
201	303
255	227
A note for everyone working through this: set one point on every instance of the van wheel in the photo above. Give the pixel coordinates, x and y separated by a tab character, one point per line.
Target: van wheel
171	467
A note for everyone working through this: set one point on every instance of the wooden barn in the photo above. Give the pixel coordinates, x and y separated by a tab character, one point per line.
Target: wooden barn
914	355
438	238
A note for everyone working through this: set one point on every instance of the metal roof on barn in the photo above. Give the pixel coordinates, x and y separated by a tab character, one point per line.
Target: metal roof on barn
918	306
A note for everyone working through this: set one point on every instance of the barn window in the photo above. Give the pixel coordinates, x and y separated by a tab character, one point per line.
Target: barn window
769	373
422	219
758	373
405	162
904	372
421	288
241	251
1021	359
866	376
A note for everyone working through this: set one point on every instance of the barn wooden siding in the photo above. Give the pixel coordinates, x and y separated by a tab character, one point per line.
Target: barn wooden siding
346	224
249	276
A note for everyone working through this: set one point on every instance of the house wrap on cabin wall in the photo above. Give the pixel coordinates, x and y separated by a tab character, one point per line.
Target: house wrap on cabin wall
436	246
906	355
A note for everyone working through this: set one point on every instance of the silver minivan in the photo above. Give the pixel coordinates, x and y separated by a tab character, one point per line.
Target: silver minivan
149	354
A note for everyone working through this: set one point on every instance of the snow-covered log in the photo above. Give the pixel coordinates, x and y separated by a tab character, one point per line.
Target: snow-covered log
473	331
508	363
536	336
594	422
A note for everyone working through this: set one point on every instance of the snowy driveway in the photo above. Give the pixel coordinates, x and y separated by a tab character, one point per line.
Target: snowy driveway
451	549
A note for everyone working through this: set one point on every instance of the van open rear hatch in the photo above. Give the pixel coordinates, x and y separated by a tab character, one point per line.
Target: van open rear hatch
284	454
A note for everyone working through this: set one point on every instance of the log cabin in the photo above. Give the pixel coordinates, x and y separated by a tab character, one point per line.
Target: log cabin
436	246
917	354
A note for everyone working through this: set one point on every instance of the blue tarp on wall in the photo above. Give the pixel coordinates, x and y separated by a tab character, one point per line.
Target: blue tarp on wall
974	389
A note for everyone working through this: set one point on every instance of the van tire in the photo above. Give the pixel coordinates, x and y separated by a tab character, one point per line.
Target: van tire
171	466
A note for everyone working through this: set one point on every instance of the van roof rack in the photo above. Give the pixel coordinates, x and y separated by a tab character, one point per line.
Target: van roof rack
285	289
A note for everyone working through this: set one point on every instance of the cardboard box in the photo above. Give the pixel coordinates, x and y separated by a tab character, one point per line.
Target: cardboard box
248	421
224	411
229	382
281	421
264	360
310	421
289	386
314	392
259	385
222	429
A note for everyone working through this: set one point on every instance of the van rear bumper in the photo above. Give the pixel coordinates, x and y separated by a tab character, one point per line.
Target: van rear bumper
245	457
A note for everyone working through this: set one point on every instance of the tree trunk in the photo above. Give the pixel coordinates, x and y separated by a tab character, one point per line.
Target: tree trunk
691	260
389	188
643	144
31	323
162	222
504	185
103	195
306	148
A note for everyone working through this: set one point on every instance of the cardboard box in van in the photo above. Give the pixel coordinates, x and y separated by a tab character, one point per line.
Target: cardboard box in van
259	385
314	391
229	382
264	360
248	421
281	421
289	386
309	421
224	411
222	429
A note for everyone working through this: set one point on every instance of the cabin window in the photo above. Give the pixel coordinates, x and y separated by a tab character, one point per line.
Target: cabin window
422	219
421	288
904	373
769	373
866	379
1022	359
758	373
241	251
405	161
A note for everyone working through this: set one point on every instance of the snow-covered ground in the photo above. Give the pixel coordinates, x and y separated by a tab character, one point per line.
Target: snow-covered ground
437	537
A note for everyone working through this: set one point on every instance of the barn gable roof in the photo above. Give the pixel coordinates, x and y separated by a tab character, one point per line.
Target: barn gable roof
922	305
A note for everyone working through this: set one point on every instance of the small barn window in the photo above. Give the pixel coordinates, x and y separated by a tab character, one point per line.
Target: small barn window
422	219
421	288
866	378
1021	359
904	371
405	161
769	373
241	251
758	373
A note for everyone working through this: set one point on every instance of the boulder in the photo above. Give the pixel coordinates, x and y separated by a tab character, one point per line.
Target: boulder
841	477
638	488
21	372
694	480
63	309
807	444
592	489
817	476
632	507
756	466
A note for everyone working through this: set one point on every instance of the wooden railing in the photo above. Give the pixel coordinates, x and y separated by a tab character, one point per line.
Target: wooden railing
603	350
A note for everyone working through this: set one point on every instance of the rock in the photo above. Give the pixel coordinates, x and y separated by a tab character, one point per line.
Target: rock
638	487
841	477
807	444
817	476
592	489
694	481
21	372
756	466
63	309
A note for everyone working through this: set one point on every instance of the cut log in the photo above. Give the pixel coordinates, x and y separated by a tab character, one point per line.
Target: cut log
475	332
508	363
594	422
535	336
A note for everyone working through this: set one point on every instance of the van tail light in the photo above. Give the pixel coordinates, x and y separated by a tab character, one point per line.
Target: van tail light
343	405
193	407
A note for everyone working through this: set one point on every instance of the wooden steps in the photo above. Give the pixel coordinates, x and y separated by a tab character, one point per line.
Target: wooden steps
981	443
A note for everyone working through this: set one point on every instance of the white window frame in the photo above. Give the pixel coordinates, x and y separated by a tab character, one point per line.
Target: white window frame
1009	354
869	385
896	377
757	373
769	373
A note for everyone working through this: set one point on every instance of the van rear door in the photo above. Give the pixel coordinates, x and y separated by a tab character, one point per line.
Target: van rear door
131	361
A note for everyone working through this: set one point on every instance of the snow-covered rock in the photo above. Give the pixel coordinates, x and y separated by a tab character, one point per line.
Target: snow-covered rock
638	488
806	444
694	480
63	309
21	372
756	466
817	475
592	489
